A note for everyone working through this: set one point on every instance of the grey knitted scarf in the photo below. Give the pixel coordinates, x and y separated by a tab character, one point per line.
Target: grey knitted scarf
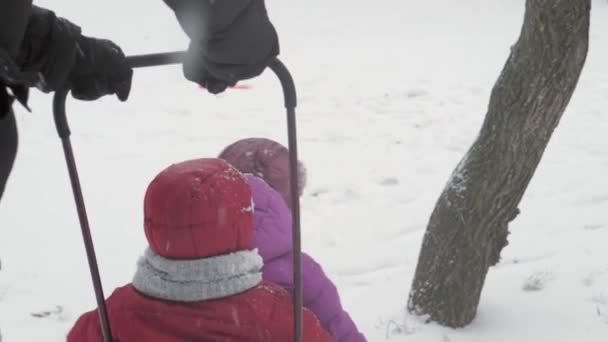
199	279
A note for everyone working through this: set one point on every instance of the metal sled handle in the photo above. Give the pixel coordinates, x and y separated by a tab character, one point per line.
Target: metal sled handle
160	59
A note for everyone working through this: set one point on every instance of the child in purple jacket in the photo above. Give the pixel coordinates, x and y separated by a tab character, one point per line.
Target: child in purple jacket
267	163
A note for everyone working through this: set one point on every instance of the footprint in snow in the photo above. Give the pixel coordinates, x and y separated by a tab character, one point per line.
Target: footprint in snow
600	301
389	181
56	313
412	93
593	226
408	325
592	277
319	192
339	196
537	281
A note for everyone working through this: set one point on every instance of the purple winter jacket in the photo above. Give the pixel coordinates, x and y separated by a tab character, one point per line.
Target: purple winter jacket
272	237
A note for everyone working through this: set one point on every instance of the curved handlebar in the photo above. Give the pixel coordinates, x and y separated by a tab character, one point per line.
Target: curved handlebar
159	59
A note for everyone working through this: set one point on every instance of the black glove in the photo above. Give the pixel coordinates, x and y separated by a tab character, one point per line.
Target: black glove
54	48
100	69
231	40
196	69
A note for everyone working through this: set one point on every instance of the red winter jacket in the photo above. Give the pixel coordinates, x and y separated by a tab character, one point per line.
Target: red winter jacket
265	314
199	226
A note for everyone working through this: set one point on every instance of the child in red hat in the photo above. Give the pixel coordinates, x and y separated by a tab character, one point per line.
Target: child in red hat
199	280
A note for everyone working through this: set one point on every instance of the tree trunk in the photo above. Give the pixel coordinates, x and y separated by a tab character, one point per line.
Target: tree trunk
469	225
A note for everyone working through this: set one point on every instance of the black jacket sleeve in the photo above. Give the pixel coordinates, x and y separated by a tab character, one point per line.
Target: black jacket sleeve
235	38
14	16
36	49
49	48
202	19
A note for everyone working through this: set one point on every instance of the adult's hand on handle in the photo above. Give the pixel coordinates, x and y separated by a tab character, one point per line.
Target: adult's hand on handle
100	69
54	49
231	40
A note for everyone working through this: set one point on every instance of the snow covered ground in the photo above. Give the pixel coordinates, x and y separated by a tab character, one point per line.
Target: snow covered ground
392	93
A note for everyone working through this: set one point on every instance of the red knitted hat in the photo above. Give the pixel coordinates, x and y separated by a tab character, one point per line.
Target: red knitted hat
198	208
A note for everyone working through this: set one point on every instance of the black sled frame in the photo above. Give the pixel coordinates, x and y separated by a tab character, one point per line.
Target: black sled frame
160	59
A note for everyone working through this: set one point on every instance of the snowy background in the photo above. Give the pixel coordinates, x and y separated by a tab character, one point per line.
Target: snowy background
392	93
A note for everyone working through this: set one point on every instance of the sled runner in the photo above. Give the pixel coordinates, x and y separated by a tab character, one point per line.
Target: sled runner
160	59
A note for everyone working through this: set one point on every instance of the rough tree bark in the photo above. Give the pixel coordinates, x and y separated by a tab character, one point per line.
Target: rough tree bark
469	226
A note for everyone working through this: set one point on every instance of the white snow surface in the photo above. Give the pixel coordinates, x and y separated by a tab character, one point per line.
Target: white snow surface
391	95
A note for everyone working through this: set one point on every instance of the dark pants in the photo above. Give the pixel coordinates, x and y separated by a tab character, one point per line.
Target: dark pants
8	148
